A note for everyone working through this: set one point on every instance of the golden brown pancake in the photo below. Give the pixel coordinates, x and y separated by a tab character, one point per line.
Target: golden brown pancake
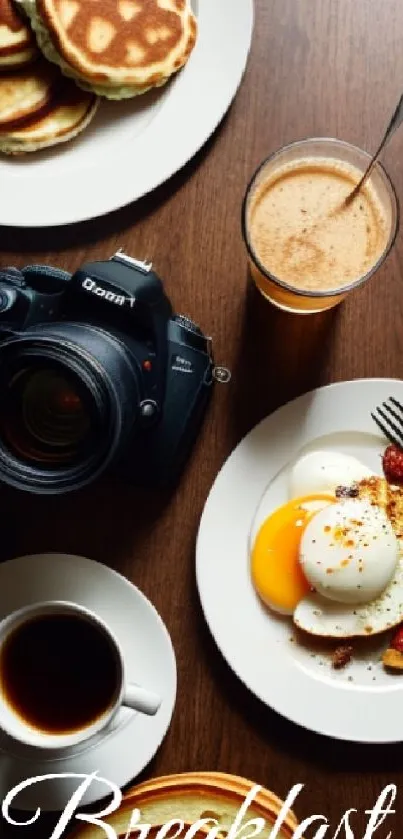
119	48
67	114
17	41
26	94
190	797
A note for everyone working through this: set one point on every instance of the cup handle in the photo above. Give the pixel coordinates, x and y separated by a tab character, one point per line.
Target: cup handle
142	700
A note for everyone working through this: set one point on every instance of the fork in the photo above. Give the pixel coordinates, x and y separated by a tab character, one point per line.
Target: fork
389	418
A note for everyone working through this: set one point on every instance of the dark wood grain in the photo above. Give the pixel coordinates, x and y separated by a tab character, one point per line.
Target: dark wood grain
317	67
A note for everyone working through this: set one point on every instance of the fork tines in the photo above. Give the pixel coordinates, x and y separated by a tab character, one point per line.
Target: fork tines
389	418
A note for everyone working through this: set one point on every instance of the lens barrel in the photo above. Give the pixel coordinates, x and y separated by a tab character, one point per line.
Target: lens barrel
69	401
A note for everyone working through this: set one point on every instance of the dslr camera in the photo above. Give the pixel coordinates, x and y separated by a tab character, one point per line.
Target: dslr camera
96	372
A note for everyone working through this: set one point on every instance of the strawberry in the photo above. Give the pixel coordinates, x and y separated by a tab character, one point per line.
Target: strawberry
397	640
392	463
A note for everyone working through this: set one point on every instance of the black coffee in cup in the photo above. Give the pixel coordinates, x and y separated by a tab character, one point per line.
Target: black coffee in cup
59	672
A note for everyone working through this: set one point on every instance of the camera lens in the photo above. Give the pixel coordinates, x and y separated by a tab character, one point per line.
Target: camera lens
70	395
46	416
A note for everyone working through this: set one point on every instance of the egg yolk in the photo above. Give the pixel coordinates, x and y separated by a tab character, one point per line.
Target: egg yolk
276	572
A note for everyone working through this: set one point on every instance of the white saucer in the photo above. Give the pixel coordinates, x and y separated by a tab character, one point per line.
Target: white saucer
133	739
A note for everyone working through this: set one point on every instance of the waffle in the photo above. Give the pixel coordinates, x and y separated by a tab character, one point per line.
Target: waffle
117	48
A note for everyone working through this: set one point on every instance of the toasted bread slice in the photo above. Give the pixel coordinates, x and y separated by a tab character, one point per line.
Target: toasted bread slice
389	498
190	797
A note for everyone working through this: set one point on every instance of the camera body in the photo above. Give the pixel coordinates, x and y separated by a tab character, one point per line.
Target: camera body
114	319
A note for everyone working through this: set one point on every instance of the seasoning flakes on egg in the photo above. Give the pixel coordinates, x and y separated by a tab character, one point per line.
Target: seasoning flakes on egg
330	557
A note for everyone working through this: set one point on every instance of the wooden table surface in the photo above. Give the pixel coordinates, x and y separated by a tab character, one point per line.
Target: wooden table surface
317	67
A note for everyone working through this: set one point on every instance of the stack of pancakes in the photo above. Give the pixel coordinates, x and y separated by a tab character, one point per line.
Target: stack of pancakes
58	57
188	798
17	41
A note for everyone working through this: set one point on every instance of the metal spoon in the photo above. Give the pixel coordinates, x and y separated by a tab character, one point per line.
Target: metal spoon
394	123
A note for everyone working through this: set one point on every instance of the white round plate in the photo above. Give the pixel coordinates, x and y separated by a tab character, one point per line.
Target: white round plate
121	753
360	703
133	146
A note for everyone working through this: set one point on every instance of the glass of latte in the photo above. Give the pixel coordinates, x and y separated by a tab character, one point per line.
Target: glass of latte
308	247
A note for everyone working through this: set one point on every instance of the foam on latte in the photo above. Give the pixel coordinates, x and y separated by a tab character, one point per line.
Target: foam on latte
303	233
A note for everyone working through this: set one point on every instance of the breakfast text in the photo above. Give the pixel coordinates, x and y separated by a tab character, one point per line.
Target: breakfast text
377	817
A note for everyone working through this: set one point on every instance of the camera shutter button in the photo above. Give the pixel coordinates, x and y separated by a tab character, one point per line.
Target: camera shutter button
148	409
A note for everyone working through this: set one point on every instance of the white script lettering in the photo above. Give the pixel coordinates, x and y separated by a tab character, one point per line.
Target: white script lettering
196	826
237	827
71	805
345	822
299	832
288	803
389	792
142	829
237	830
164	830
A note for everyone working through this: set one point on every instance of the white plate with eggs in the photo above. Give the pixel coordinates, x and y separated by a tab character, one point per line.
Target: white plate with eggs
320	567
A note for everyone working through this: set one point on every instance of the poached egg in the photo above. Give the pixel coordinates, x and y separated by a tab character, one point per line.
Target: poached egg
323	471
334	565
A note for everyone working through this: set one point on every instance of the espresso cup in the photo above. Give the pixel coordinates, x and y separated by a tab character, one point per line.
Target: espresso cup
62	676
